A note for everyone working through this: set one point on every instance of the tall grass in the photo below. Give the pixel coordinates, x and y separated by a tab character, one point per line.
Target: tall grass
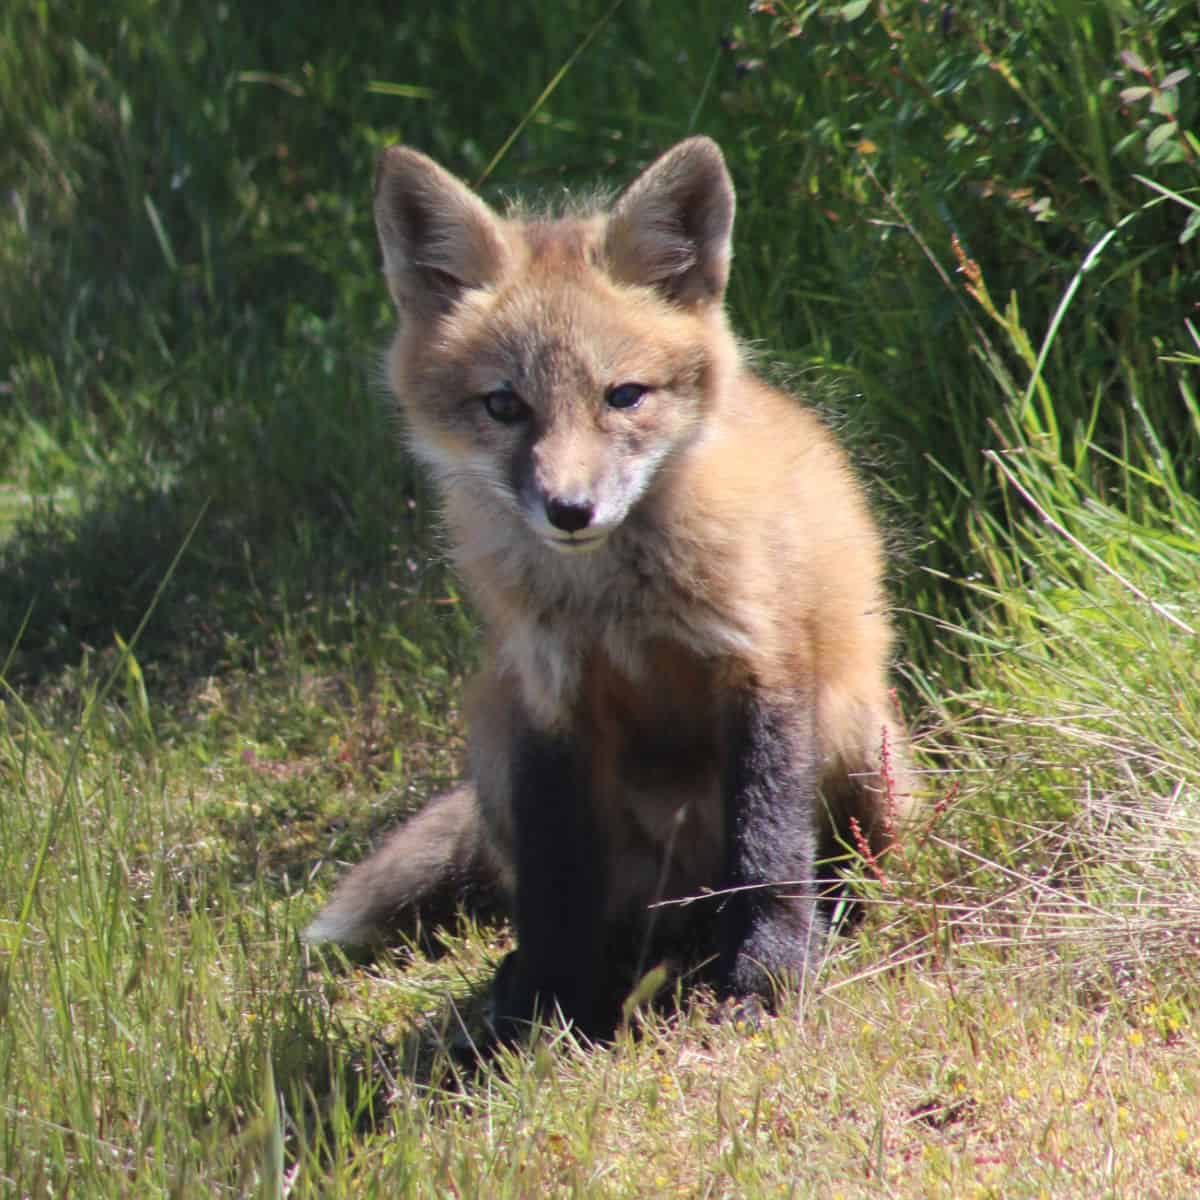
1082	724
978	222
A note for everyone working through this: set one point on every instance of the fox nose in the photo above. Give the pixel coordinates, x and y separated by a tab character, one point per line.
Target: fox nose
570	518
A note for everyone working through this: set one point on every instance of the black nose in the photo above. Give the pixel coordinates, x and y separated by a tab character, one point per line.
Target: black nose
570	518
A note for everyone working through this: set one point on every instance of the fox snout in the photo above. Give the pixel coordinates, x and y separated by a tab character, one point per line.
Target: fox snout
566	500
578	508
567	525
567	516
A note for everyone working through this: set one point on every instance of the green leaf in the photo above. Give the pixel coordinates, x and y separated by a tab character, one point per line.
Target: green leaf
1131	95
851	12
406	91
1158	136
1165	103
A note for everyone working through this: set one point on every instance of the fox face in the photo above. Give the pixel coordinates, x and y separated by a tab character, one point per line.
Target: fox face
567	434
553	366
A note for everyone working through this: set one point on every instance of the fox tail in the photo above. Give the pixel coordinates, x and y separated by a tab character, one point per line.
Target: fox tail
426	871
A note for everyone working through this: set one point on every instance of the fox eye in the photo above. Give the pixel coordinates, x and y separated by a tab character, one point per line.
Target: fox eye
626	395
505	406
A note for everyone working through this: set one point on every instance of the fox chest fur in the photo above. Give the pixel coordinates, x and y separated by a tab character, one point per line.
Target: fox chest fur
685	690
651	748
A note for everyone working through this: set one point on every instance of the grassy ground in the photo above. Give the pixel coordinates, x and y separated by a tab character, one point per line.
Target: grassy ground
230	657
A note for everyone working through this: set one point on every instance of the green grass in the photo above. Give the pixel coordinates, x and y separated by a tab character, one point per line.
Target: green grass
230	655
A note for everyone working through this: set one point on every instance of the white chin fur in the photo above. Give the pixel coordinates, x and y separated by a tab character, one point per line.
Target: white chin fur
572	545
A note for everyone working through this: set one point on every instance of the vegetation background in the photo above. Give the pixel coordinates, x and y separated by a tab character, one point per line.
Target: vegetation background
230	656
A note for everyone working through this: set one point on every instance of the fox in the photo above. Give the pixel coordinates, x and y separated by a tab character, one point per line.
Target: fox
684	715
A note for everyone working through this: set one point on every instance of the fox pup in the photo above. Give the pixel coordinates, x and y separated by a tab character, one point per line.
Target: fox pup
685	691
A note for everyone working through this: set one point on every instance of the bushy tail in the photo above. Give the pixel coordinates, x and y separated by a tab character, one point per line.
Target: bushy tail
435	863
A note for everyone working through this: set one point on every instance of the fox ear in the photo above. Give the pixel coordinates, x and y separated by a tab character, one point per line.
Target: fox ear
671	229
438	238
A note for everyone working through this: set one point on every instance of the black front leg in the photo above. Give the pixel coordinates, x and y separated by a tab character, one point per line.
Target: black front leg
770	928
559	904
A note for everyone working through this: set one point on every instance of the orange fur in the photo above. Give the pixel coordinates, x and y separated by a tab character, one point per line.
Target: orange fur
635	564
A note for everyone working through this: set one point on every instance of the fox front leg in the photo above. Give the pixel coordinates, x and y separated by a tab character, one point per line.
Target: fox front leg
769	925
559	901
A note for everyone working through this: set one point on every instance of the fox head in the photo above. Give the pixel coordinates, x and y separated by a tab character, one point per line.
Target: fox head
555	367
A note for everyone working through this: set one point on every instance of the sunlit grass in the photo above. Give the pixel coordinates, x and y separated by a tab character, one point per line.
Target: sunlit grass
978	232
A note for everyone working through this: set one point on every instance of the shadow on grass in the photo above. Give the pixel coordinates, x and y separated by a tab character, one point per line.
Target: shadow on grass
442	1048
299	605
317	1087
253	552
